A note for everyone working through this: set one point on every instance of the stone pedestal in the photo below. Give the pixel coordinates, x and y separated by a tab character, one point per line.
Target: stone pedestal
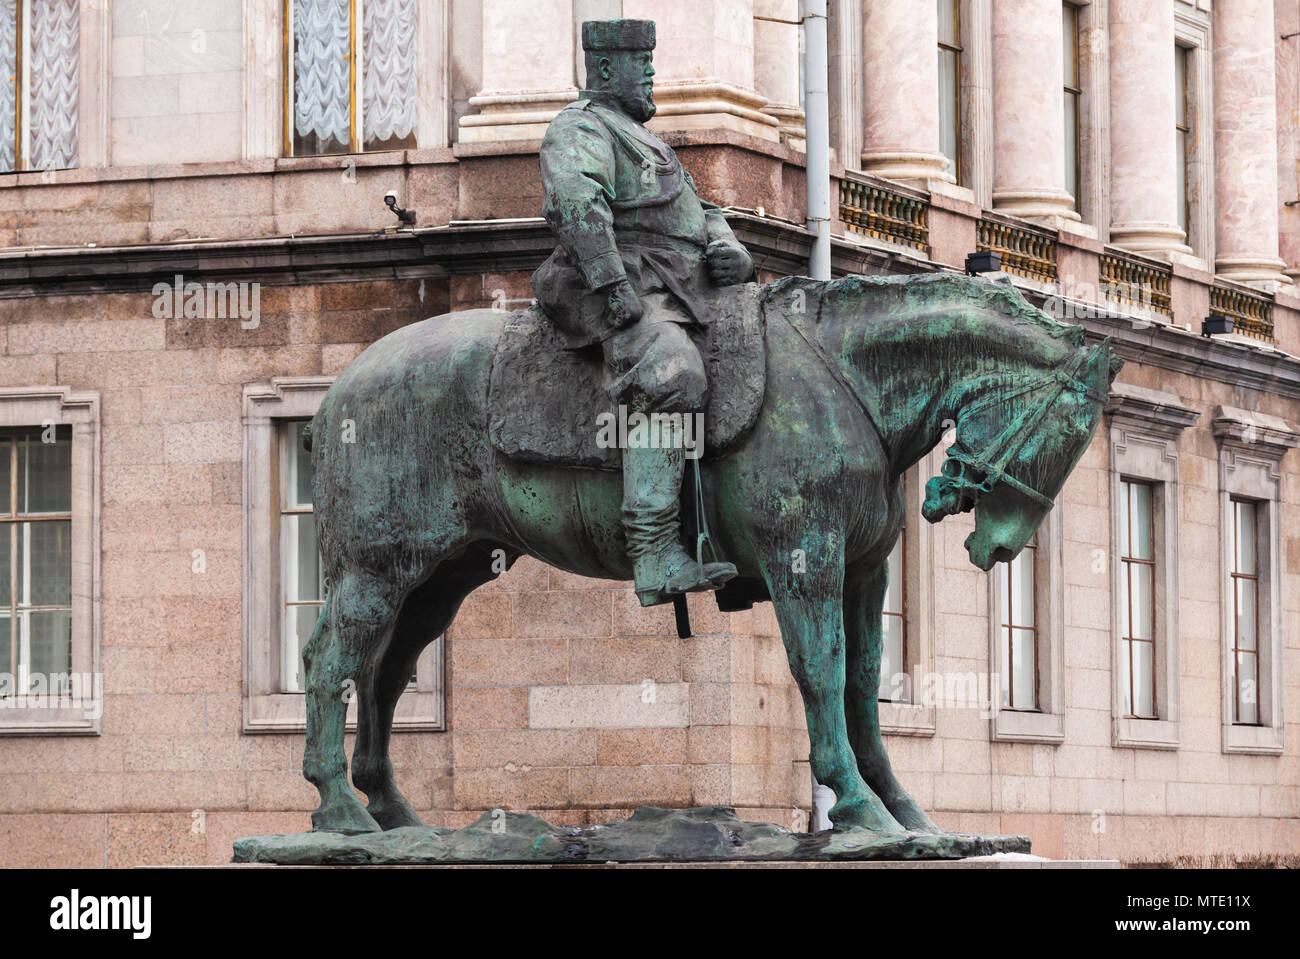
1143	192
528	55
900	66
1029	168
1245	143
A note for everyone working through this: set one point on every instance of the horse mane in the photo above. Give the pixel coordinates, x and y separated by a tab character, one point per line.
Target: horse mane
923	293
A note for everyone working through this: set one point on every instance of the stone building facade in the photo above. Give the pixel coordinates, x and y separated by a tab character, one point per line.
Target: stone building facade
195	243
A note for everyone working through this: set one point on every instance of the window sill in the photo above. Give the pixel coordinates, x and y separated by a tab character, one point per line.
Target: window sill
905	719
1022	726
39	721
1258	740
1146	733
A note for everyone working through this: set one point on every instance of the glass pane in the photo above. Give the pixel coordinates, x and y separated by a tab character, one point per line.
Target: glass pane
322	95
1005	668
1023	667
8	537
1125	499
1022	589
298	475
6	664
1142	673
949	120
1247	628
1069	43
1141	600
1125	676
891	657
894	591
303	576
1125	620
1245	559
6	470
1180	179
948	21
1180	79
1247	706
1140	516
389	82
299	622
45	471
1072	145
51	650
45	563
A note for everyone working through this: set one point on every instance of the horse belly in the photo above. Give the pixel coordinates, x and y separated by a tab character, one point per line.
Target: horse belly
568	518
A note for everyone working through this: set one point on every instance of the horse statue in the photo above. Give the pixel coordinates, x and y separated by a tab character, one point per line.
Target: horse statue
416	505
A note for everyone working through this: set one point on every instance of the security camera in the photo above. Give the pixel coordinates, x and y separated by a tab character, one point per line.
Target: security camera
406	216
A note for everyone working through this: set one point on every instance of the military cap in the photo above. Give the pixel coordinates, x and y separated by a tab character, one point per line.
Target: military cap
618	35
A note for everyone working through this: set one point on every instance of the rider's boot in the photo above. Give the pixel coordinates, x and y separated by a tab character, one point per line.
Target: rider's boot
652	483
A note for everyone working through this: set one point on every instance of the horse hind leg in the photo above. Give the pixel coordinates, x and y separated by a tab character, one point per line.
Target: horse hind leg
357	613
386	670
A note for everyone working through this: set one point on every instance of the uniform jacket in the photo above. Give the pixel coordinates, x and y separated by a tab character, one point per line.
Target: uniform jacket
621	206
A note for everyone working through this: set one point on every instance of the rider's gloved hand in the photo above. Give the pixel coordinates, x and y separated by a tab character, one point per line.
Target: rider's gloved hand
728	263
624	306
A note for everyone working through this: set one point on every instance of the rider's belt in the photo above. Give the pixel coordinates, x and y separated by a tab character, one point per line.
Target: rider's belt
655	241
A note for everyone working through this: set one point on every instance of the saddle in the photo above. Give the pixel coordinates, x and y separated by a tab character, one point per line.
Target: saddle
547	403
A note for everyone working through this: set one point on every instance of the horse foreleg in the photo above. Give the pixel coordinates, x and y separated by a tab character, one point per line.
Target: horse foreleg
354	617
864	598
809	611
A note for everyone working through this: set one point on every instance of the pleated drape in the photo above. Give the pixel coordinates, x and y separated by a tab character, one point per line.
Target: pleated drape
389	84
322	41
53	84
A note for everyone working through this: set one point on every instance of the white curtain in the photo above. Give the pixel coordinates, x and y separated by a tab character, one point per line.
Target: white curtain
389	84
322	44
8	81
53	84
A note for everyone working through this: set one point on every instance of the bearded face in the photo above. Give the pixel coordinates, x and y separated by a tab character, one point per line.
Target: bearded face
627	76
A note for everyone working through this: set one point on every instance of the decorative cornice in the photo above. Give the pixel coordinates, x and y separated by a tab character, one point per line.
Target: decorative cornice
1253	432
1154	409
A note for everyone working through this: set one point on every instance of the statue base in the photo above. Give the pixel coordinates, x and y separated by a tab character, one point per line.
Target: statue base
652	835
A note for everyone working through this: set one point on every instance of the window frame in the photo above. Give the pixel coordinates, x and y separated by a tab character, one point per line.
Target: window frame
1127	561
34	407
957	49
1192	32
901	546
356	81
267	708
1074	94
1145	426
1046	724
1251	447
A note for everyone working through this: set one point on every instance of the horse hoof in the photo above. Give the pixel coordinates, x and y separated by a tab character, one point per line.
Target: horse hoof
343	818
394	814
863	814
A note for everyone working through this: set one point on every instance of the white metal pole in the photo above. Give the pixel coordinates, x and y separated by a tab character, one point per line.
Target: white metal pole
817	120
818	179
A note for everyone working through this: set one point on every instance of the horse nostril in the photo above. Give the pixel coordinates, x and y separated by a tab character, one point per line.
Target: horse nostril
1003	555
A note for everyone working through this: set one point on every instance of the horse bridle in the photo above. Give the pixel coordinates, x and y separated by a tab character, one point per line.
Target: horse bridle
991	463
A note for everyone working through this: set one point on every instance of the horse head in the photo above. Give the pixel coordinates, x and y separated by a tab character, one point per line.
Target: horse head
1015	445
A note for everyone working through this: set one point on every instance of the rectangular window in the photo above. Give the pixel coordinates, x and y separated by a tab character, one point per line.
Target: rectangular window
301	577
36	561
1137	603
1073	101
1019	630
950	84
1245	593
350	78
893	628
1183	133
40	88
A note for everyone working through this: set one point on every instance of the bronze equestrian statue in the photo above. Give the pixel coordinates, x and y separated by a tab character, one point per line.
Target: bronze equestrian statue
419	501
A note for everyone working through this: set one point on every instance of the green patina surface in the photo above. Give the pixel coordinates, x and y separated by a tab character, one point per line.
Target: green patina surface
416	506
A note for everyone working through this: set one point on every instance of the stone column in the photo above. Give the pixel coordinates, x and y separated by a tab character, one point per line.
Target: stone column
1143	157
1287	53
1245	142
527	70
900	78
1028	111
704	66
776	65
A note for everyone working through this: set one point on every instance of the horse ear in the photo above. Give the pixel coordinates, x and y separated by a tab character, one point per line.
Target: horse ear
1114	362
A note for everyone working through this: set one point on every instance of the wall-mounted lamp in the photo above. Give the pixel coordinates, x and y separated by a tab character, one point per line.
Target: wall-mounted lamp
985	261
1215	324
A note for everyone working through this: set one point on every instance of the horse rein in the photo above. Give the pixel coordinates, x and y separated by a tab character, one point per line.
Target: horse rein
994	469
